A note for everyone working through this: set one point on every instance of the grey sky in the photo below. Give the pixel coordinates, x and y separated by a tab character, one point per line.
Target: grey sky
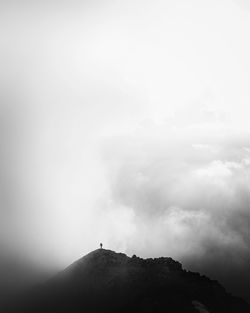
125	122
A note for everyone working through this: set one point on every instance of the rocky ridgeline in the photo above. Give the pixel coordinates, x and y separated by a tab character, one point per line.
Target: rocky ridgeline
108	282
114	268
103	257
162	261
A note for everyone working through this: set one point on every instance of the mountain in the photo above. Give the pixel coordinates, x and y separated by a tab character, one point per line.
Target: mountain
108	282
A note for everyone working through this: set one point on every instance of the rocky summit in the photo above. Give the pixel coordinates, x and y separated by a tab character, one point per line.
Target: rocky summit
108	282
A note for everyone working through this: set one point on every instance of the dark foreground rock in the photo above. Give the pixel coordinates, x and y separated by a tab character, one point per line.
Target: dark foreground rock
108	282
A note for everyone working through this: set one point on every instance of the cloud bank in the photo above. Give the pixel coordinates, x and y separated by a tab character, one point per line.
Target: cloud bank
127	123
187	192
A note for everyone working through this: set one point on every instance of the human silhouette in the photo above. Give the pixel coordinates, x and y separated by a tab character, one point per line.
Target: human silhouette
100	245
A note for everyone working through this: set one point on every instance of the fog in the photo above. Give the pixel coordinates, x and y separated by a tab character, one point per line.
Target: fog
126	123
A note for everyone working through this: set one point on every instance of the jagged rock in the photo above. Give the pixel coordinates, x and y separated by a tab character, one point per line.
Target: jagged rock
108	282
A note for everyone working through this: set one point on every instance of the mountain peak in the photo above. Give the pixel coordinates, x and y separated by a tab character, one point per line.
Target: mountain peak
108	261
106	281
103	254
99	258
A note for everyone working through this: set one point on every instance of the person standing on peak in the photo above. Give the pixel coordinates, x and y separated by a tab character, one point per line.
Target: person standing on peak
100	245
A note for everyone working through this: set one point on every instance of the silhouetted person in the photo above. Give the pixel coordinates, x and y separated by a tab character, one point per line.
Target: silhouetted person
100	245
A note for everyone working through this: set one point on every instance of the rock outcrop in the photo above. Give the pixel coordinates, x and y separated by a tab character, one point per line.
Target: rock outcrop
108	282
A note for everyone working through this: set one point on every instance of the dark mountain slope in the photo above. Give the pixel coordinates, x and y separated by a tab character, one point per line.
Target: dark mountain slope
109	282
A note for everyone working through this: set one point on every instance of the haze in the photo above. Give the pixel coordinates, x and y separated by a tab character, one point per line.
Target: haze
127	123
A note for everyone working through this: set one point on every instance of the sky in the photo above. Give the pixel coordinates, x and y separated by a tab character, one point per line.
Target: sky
127	123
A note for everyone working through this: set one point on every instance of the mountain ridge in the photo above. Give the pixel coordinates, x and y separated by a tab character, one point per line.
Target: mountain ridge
106	281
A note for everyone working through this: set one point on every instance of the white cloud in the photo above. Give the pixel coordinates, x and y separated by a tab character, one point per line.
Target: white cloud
127	121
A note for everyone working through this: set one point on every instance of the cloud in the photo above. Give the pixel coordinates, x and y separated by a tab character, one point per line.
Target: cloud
127	126
190	200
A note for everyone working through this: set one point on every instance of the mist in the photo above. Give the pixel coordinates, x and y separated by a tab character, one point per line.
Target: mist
126	123
186	191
